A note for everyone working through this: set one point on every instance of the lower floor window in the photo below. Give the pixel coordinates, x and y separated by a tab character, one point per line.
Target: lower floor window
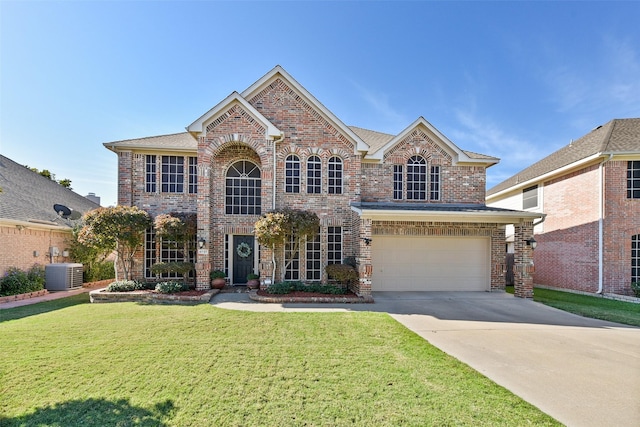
334	245
635	258
292	259
313	261
168	252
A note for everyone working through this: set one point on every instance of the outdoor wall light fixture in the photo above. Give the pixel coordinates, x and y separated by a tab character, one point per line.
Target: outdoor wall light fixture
367	241
201	242
531	242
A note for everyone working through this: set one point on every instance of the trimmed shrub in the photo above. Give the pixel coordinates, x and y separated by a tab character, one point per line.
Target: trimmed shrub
635	287
288	287
342	273
16	281
171	287
123	286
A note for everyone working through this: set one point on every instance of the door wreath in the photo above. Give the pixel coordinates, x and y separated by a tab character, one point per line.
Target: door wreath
243	250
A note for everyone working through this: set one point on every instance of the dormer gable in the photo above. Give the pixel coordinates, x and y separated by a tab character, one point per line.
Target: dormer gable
199	127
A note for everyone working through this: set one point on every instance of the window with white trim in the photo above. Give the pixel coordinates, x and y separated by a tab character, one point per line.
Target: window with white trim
243	193
172	174
416	178
193	175
150	174
314	175
335	175
334	245
292	174
530	197
292	259
313	259
635	258
633	179
434	183
397	182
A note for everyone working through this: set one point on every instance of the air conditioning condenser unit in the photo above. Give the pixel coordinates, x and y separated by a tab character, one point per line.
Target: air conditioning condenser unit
63	276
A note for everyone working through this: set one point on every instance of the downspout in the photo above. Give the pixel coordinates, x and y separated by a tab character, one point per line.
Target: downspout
601	224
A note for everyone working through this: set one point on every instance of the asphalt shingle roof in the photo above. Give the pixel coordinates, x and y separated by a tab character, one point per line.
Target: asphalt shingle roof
178	141
615	137
27	195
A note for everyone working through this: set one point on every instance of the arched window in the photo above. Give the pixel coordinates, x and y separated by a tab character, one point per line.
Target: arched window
292	174
335	175
314	175
416	178
243	189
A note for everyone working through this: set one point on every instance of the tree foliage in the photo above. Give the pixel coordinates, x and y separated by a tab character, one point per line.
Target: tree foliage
120	228
277	227
66	183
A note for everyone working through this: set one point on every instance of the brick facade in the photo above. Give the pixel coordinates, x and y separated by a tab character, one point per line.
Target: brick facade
237	131
20	244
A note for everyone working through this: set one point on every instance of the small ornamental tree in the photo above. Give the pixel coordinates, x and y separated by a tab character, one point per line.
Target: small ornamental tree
179	230
120	228
277	227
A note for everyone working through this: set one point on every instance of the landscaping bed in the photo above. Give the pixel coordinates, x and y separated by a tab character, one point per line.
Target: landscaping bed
153	297
307	297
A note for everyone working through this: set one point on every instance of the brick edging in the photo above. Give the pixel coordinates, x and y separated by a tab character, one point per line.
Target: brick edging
20	297
322	300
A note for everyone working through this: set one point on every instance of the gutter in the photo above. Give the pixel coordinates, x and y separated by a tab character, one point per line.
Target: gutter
601	224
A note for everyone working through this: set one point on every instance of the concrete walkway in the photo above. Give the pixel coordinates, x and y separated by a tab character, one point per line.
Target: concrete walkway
583	372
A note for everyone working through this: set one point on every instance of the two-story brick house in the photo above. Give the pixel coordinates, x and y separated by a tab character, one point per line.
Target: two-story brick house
409	207
590	193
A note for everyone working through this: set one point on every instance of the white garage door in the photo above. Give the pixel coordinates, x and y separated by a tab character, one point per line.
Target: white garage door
408	263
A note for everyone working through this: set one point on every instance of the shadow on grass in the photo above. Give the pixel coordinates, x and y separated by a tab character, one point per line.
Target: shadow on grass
42	307
93	412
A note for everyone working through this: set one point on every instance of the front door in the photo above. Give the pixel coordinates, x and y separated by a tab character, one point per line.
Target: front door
243	256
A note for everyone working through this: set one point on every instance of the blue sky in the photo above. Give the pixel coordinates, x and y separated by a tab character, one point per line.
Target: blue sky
515	80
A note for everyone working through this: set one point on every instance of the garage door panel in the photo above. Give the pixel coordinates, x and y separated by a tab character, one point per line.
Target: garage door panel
411	263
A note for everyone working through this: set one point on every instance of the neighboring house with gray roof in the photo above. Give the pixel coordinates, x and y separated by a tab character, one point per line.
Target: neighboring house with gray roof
409	207
29	225
590	193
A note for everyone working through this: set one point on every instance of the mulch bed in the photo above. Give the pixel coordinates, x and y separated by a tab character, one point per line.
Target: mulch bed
302	294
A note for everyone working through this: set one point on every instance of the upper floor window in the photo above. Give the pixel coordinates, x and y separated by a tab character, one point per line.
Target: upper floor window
243	194
335	175
292	174
193	175
172	174
635	258
530	197
397	182
150	174
434	183
416	178
633	179
314	175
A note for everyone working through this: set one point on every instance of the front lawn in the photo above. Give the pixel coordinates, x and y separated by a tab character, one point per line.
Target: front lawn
590	306
155	365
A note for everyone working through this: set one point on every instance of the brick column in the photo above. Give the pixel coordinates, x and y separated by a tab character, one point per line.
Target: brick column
203	259
365	266
523	266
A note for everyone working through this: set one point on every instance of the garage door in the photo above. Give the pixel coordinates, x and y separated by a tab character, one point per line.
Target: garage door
408	263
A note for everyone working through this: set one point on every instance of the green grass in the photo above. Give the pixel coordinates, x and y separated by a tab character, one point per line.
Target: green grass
590	306
124	364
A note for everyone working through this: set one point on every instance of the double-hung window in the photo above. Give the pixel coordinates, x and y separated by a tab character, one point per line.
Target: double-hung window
172	174
530	197
633	179
335	175
313	260
334	245
193	175
292	174
314	175
635	258
397	182
150	174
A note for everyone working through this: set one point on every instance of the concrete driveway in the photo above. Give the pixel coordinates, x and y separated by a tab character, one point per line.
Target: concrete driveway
583	372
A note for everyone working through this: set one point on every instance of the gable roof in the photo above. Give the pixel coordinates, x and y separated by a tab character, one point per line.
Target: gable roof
28	197
381	143
619	136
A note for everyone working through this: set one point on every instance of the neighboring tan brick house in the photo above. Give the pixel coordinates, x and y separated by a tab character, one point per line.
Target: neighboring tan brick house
409	207
590	193
31	232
